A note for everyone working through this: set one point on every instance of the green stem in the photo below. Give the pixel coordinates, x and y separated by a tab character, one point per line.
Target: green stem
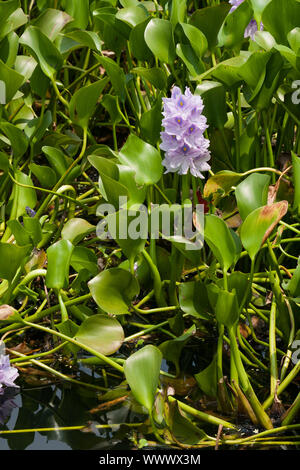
292	412
59	374
61	180
158	292
272	349
210	419
92	351
261	415
64	312
284	384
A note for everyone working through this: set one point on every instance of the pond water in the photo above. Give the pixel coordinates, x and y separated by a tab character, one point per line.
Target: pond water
57	406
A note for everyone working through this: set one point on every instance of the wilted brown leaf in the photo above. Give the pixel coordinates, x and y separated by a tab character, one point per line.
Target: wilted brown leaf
6	311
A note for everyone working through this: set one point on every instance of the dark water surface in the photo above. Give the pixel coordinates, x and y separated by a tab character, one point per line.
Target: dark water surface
54	406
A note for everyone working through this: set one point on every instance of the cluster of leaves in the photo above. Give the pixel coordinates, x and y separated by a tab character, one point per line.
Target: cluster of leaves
81	88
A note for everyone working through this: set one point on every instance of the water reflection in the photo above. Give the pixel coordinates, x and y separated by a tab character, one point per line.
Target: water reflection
7	404
57	406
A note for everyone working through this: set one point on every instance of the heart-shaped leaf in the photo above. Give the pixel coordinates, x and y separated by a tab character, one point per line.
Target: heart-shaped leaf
159	38
252	193
43	50
217	235
143	158
259	224
113	290
59	257
84	100
102	333
142	374
76	229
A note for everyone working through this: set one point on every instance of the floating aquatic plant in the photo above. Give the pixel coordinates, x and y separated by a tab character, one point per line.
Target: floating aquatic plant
186	148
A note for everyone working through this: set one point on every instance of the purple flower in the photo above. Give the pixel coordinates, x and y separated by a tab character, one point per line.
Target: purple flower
30	211
252	26
186	148
8	374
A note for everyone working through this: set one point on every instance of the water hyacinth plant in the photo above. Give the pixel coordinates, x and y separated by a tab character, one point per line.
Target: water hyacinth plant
122	124
252	26
183	140
8	374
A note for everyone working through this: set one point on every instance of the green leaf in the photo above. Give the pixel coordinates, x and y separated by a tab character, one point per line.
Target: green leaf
84	258
132	15
172	348
80	38
196	38
258	7
263	93
296	180
178	11
217	235
236	281
142	371
51	22
43	50
33	228
252	193
232	31
137	42
159	38
11	258
68	328
117	181
7	8
59	256
209	20
130	231
76	229
12	81
259	224
9	47
111	104
101	333
207	379
227	309
151	122
112	190
154	75
214	100
294	40
280	17
84	101
22	197
113	290
293	285
21	236
116	75
14	20
44	174
248	66
143	158
220	184
193	299
18	140
39	83
60	162
182	429
80	11
190	59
